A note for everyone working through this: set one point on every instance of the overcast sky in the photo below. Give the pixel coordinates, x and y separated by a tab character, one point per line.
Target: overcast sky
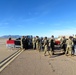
37	17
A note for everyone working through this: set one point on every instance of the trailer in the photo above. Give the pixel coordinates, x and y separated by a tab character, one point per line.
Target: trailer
13	44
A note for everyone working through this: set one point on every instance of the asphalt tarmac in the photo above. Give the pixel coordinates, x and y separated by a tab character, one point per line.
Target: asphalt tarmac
32	62
4	51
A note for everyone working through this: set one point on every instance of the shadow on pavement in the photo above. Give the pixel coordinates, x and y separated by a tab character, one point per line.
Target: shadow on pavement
57	55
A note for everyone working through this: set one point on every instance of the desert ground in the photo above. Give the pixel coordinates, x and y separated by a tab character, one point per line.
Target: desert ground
33	62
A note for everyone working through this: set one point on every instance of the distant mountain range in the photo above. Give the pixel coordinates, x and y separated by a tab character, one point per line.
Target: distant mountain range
14	36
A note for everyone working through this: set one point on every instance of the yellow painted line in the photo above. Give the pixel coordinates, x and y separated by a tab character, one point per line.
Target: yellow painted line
1	69
9	58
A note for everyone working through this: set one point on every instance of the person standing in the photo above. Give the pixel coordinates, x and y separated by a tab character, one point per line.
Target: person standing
69	44
41	44
63	44
52	44
23	42
46	46
27	41
37	43
74	46
34	42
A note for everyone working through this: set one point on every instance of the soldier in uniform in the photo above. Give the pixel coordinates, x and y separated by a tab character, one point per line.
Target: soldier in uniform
74	46
49	43
63	44
69	44
37	43
27	41
41	43
52	44
34	43
46	45
23	42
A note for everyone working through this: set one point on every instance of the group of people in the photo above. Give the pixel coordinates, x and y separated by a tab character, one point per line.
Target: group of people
25	42
48	44
44	44
68	45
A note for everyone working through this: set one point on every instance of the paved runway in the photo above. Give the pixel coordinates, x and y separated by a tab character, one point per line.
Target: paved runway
32	62
4	51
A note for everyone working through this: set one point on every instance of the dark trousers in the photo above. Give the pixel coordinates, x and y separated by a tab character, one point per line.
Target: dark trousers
52	47
24	46
64	47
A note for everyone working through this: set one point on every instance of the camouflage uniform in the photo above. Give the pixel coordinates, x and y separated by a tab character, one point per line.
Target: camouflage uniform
49	44
21	44
34	42
69	44
63	44
46	45
41	44
37	43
